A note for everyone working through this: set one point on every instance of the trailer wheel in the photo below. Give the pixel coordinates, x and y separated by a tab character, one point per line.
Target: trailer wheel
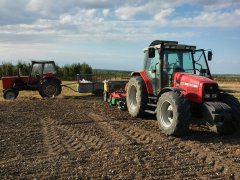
50	88
173	114
137	97
10	94
233	124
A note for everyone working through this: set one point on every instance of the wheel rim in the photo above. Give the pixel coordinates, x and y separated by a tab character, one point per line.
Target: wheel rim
166	115
10	95
133	97
50	90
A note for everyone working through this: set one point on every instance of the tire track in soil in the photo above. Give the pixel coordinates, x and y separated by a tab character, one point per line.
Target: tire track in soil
125	133
63	138
209	155
186	153
76	141
111	133
213	156
51	137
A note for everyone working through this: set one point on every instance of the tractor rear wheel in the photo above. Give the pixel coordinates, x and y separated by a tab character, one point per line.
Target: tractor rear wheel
137	97
233	124
10	94
50	88
173	114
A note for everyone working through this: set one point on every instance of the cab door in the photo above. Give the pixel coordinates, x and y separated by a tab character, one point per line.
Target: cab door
153	72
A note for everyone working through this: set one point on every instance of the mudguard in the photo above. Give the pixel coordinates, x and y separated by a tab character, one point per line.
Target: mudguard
144	76
167	89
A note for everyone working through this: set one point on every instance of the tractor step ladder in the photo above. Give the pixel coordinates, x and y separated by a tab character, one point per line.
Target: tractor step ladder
152	105
150	111
152	97
152	100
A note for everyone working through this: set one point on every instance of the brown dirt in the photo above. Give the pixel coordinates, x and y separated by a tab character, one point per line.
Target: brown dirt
86	138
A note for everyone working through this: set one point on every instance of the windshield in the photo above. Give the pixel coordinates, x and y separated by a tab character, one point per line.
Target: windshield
183	61
201	65
178	60
49	68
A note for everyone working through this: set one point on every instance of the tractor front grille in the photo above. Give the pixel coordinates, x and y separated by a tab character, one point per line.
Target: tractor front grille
210	92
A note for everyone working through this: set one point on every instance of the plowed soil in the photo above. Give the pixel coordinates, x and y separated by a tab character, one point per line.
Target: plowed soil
86	138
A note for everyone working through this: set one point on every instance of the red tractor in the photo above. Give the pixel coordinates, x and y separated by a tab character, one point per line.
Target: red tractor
176	84
43	78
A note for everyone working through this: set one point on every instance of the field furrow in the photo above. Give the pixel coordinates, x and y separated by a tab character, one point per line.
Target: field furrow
86	138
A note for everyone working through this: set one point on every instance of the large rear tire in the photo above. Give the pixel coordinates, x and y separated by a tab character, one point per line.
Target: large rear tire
10	94
137	97
173	114
233	124
50	88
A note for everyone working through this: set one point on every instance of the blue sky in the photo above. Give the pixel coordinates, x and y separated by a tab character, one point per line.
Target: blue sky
112	34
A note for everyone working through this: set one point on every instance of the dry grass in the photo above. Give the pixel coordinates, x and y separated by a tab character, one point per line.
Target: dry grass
23	95
232	86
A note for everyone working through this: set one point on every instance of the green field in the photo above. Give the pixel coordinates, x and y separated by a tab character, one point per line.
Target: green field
23	95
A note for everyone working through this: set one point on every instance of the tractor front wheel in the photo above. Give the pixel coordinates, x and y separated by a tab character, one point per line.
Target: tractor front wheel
173	114
137	97
231	126
50	88
10	94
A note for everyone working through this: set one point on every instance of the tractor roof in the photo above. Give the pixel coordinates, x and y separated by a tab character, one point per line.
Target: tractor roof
157	42
170	45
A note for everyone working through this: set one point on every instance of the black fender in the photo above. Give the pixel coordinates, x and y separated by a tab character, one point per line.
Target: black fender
168	89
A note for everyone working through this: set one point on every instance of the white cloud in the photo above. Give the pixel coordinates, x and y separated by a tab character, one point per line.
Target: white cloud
34	5
128	12
237	12
90	12
105	12
209	19
106	19
162	15
66	18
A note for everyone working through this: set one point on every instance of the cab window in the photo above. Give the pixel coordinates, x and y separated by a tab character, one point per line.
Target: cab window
36	69
49	68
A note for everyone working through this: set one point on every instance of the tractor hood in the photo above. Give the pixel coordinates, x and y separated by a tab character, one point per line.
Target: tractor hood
8	81
192	78
195	86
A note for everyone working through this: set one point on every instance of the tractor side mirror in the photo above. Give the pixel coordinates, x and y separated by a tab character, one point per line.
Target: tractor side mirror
210	55
151	52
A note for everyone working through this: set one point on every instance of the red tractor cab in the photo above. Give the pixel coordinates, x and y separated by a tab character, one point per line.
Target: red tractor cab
42	78
176	84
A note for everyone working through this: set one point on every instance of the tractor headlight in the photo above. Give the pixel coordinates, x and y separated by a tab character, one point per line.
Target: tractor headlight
210	91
